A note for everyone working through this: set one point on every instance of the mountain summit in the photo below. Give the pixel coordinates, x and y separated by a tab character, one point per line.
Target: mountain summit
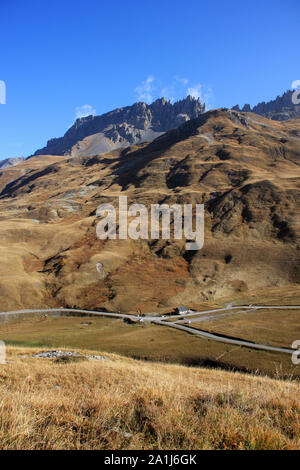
280	109
123	127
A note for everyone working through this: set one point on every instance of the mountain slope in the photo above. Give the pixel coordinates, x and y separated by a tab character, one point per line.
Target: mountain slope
123	127
243	167
54	405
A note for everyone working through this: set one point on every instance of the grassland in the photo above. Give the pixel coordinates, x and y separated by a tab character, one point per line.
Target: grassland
121	403
270	296
271	327
148	342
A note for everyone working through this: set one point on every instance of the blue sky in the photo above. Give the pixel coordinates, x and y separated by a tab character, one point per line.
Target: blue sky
62	59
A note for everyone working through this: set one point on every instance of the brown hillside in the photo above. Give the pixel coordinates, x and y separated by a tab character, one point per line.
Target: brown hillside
244	168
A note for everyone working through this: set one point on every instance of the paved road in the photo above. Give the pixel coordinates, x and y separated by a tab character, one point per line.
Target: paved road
223	339
161	320
69	310
206	318
239	307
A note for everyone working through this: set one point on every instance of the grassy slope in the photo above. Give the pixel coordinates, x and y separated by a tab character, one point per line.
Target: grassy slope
161	406
272	327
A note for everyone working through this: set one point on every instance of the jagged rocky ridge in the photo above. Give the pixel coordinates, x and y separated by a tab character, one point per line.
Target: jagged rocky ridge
280	109
123	127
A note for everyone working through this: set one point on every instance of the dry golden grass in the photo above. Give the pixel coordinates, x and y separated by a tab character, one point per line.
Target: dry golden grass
273	327
91	404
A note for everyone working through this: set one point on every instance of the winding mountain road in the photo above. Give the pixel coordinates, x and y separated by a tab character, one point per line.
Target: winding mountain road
224	339
162	321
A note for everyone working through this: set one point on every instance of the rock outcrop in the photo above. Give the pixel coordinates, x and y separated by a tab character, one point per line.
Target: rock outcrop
8	162
280	109
123	127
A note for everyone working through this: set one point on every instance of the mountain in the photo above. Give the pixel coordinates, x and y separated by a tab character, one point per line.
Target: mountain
123	127
8	162
243	167
280	109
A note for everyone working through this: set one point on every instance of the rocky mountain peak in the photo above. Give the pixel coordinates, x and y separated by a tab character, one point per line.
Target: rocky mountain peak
123	127
280	109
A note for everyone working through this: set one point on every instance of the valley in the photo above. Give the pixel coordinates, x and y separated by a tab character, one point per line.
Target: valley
241	166
134	336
